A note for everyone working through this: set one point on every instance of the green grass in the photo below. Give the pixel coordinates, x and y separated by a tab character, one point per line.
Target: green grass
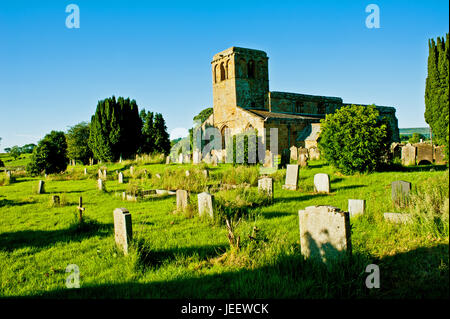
176	255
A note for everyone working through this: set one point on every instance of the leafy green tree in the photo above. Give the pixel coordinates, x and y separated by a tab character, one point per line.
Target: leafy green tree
115	129
162	141
28	148
203	115
437	90
416	137
7	149
15	151
50	155
355	139
77	148
148	132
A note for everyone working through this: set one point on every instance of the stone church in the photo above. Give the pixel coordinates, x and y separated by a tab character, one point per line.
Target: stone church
242	101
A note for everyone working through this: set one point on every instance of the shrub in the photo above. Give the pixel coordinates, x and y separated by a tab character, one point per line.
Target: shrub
355	139
50	156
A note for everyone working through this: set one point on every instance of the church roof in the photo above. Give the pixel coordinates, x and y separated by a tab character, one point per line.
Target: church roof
273	115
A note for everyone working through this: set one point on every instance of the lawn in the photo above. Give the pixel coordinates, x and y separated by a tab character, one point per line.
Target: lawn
180	255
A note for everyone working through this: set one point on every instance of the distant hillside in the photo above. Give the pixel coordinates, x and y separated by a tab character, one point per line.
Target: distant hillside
421	130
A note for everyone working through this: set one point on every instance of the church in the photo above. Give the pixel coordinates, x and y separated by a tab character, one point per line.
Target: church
242	100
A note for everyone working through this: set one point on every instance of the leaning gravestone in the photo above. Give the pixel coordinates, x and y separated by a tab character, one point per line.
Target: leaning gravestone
123	229
265	185
205	204
41	188
324	233
291	177
400	193
182	199
322	183
120	178
356	207
408	155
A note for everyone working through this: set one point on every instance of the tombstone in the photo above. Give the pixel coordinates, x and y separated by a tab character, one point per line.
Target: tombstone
302	160
8	174
187	158
104	173
167	159
293	153
196	157
214	160
322	183
408	155
205	204
100	174
400	193
123	229
314	153
205	173
291	177
324	233
182	199
131	170
424	152
268	159
85	171
398	218
100	184
439	155
207	159
180	158
265	185
120	177
158	176
356	207
187	173
55	200
41	188
120	159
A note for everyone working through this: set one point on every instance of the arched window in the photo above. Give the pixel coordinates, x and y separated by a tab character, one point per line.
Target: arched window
223	75
251	69
215	74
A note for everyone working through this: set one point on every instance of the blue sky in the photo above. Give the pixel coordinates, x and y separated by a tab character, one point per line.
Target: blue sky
159	53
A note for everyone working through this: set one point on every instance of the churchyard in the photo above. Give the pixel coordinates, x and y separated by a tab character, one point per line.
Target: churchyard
248	246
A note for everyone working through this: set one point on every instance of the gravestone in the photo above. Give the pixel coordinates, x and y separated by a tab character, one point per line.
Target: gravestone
356	207
167	159
100	174
397	218
314	153
131	170
180	158
41	187
205	173
8	174
187	173
207	159
291	177
55	200
396	150
85	171
293	156
322	183
205	204
187	158
123	229
439	155
100	184
158	176
268	159
214	160
196	157
408	155
424	152
400	193
324	233
104	173
182	199
302	160
120	177
265	185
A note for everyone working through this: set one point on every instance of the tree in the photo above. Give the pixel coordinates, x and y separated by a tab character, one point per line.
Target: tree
162	141
50	155
416	137
437	90
148	132
115	129
203	115
28	148
355	139
77	148
15	151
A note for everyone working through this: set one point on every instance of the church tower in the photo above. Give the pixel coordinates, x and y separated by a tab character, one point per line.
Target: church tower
240	78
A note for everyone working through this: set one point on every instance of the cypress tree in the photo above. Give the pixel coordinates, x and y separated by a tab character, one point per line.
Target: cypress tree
162	141
148	132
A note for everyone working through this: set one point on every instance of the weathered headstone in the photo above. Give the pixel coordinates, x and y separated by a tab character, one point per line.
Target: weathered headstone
424	152
302	160
400	193
322	183
314	153
182	199
214	160
41	187
85	171
187	158
356	207
408	155
265	185
158	176
291	177
100	174
180	158
439	155
205	173
123	229
293	155
207	159
205	204
268	159
100	184
120	178
104	174
187	173
196	157
8	174
167	159
131	170
324	233
55	200
397	217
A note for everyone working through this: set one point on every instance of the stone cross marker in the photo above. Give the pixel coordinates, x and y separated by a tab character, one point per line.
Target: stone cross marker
182	199
356	207
324	233
322	183
265	185
120	178
400	192
123	230
205	204
41	188
291	177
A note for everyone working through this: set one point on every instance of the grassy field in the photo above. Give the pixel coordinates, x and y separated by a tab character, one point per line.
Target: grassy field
180	255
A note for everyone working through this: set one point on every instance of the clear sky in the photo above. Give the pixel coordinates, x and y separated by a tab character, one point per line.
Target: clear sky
159	53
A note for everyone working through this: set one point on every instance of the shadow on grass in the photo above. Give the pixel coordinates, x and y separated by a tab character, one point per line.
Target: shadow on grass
335	189
11	241
415	168
267	215
8	202
297	198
